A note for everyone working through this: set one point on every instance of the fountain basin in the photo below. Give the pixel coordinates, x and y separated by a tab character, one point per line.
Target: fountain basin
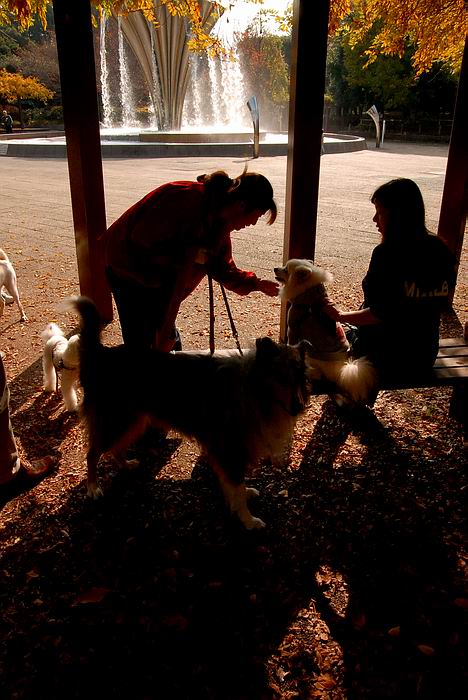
127	144
198	136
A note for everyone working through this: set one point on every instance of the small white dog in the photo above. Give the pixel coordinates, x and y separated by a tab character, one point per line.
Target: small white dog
304	288
61	357
8	280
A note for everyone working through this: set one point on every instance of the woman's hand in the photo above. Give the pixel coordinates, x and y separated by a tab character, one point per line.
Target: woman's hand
333	312
268	287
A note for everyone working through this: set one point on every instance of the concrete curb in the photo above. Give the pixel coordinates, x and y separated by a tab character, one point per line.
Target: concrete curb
56	148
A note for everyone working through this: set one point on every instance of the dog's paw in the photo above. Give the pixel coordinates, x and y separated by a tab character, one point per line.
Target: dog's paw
23	318
94	491
250	492
254	523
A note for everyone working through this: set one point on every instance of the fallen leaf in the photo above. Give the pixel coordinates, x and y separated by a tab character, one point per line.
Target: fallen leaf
94	595
425	649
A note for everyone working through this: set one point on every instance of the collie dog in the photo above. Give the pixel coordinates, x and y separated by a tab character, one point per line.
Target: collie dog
303	286
240	408
8	281
60	357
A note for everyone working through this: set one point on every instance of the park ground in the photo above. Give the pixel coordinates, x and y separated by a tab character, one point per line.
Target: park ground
356	589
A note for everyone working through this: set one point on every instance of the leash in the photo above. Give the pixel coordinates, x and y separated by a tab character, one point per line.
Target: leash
212	314
235	335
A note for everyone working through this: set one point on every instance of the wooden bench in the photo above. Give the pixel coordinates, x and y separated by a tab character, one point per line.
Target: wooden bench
450	369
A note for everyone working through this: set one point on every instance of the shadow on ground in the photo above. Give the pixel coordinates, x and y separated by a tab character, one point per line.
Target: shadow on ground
353	591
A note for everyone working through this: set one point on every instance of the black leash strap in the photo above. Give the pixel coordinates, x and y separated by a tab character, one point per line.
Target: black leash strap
231	320
235	335
212	314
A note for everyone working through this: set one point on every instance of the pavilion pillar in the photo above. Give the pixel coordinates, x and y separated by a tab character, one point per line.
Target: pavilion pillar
454	207
306	101
75	49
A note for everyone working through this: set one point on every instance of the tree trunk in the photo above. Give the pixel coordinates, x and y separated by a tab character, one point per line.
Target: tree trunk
20	108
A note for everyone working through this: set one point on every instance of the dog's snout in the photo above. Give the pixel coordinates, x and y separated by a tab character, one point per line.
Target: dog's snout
279	273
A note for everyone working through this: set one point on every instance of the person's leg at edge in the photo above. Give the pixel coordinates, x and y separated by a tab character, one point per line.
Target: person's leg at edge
9	459
11	468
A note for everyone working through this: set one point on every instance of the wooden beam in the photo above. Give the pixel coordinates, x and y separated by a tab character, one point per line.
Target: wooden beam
307	88
75	49
454	205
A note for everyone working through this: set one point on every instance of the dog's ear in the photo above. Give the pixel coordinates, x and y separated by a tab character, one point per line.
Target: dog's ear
301	273
266	347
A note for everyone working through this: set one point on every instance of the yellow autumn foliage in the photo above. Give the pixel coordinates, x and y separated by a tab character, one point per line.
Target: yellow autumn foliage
14	87
436	28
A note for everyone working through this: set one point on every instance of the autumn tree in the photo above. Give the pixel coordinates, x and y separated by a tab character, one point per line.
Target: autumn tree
39	59
265	69
389	82
435	28
15	87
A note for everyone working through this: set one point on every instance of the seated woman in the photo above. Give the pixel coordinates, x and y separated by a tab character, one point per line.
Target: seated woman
410	277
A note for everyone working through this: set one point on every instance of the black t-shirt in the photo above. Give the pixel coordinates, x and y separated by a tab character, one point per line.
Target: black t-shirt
407	288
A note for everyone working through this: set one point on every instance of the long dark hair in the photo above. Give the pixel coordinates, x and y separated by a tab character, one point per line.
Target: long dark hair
406	212
253	189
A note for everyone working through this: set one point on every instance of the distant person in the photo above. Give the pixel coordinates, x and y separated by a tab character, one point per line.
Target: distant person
410	278
161	248
7	122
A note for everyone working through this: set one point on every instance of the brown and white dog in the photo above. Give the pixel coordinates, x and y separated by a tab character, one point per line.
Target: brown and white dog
303	286
8	281
241	409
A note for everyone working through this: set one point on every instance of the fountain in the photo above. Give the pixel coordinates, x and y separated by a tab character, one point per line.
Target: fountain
184	120
186	114
193	97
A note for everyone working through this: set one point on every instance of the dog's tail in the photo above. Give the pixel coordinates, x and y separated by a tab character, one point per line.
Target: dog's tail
359	380
90	341
90	333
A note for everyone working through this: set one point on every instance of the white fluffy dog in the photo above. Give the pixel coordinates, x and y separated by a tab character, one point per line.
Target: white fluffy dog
8	280
61	357
304	289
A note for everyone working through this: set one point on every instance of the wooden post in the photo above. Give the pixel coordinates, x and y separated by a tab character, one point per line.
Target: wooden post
454	205
307	88
75	49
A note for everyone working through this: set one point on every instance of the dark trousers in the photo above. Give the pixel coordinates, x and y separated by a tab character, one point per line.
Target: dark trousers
141	311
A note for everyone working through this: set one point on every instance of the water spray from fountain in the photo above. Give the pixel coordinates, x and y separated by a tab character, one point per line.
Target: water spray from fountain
185	90
105	93
126	92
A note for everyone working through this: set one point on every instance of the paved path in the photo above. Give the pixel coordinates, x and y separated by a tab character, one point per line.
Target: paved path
37	230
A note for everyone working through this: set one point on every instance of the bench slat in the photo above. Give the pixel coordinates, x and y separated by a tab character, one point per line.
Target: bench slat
450	367
451	361
454	351
451	342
